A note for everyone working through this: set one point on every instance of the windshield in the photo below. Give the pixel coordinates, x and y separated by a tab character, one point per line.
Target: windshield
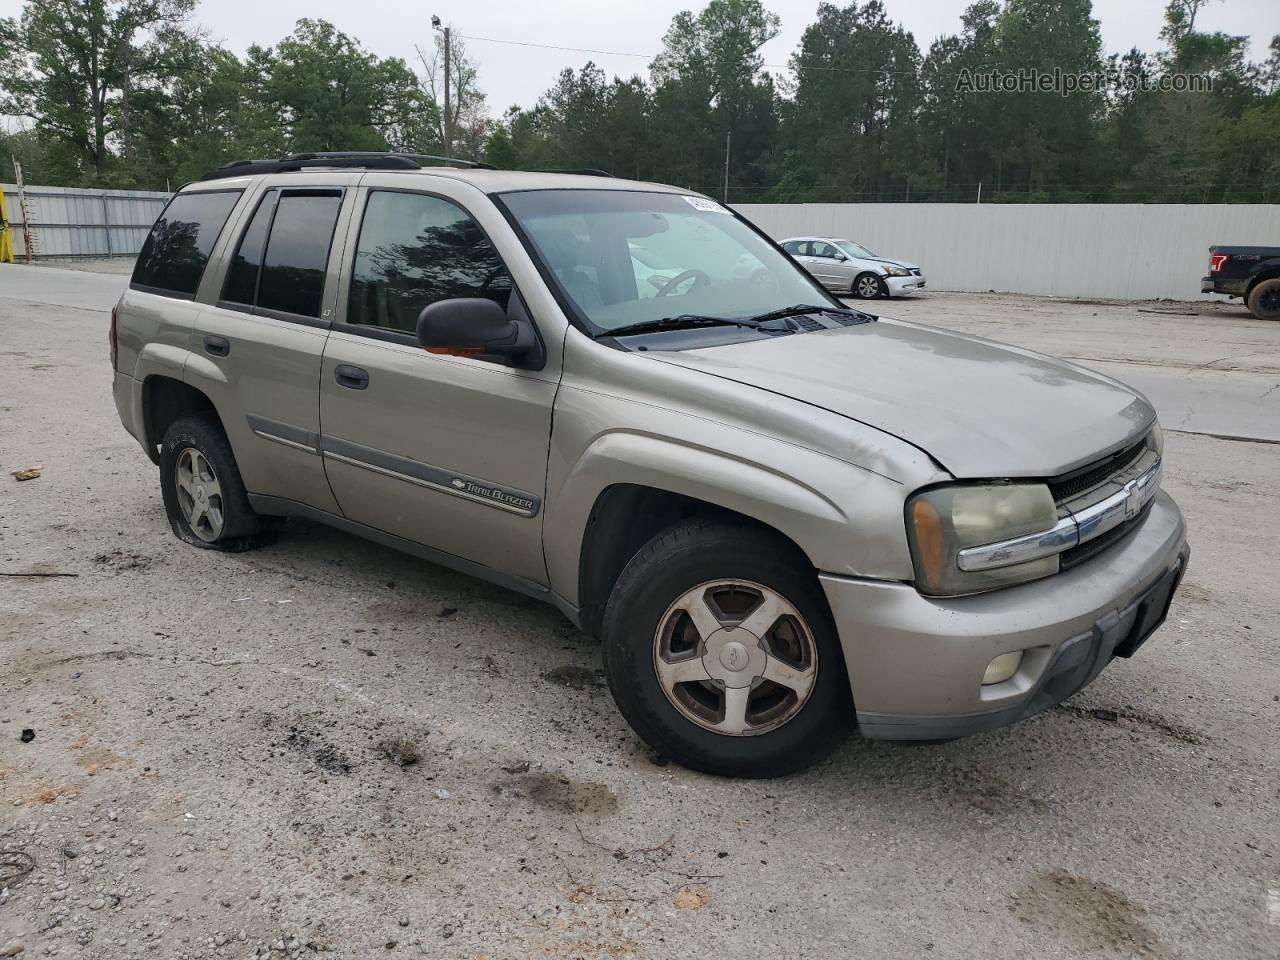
626	257
855	249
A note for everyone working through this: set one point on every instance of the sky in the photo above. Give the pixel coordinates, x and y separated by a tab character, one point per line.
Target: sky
512	74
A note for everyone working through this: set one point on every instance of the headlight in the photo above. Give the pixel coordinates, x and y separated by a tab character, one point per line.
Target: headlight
1155	440
943	521
897	272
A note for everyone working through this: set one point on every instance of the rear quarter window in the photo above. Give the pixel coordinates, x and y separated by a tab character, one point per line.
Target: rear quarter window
176	251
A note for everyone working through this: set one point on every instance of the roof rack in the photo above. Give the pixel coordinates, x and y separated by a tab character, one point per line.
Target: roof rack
580	171
368	160
421	159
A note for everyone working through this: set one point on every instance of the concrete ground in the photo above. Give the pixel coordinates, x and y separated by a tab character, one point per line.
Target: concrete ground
218	763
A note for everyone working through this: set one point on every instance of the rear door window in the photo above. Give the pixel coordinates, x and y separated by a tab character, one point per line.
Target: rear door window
242	277
176	250
297	252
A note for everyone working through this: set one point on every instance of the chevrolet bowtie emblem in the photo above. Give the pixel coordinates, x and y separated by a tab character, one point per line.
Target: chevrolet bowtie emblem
1132	499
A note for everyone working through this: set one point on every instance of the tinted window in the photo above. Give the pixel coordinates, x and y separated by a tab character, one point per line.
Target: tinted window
413	251
242	276
176	251
792	248
824	250
293	267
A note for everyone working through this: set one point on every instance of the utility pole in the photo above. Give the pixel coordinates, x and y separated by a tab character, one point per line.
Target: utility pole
728	145
448	122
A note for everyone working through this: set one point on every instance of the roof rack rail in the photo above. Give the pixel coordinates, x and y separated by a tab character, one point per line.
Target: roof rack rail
422	159
580	171
367	160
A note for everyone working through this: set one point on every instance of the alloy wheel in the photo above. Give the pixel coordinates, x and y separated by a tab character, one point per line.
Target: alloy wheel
199	494
735	657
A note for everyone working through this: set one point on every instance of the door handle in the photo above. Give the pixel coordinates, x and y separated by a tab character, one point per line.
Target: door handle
352	377
217	346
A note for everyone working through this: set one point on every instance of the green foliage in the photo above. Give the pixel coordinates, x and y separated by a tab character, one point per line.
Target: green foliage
126	92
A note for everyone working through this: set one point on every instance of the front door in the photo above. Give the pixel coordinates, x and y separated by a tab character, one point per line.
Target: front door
447	451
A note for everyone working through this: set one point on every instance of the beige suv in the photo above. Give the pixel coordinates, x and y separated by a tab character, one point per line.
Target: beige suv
783	517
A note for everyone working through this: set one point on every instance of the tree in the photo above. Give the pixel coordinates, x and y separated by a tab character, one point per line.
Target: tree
70	65
709	84
327	93
852	124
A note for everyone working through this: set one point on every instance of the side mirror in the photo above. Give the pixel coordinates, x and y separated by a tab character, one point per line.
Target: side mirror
475	327
841	257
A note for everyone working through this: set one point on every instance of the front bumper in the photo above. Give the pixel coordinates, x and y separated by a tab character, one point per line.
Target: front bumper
916	663
903	285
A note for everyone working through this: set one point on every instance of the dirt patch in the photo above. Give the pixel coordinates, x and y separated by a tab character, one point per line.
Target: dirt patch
51	794
121	561
575	677
694	898
989	794
561	794
1194	593
1154	723
324	754
1091	914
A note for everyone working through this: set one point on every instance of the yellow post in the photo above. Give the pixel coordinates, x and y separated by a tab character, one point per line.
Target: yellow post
6	245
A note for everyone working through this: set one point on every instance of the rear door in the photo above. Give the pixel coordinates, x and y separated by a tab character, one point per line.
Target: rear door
446	451
257	349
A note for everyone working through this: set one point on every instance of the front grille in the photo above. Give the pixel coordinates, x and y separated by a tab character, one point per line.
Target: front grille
1091	548
915	271
1086	478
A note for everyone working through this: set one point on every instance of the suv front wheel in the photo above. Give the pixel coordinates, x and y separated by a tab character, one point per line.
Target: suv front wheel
204	496
721	653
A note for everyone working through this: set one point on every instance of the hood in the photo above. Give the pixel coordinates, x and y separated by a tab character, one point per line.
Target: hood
896	263
981	409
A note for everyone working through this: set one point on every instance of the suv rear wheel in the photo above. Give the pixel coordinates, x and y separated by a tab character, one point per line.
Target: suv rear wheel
204	496
1264	300
721	653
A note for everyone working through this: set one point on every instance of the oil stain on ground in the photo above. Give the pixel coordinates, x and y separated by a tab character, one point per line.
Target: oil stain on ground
561	794
1093	915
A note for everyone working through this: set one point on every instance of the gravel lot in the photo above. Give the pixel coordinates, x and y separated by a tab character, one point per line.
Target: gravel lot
222	743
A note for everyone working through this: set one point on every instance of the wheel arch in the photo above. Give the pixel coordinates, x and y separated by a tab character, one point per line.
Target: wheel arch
164	401
626	516
1267	273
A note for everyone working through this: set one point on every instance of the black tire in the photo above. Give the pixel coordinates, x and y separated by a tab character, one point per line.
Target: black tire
864	283
1264	299
241	528
684	557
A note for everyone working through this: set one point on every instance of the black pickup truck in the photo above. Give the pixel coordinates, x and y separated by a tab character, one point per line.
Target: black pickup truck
1249	272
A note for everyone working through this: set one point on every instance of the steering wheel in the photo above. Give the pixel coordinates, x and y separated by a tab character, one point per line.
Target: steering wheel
699	279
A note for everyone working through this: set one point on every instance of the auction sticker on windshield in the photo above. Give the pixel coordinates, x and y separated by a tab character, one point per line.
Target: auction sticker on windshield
705	205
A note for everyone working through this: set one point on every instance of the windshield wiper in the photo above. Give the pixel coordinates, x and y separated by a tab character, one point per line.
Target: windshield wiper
685	321
797	310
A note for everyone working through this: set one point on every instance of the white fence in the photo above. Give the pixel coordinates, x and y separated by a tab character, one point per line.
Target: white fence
1129	251
83	222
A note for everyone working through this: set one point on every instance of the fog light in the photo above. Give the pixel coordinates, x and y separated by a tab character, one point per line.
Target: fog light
1002	668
